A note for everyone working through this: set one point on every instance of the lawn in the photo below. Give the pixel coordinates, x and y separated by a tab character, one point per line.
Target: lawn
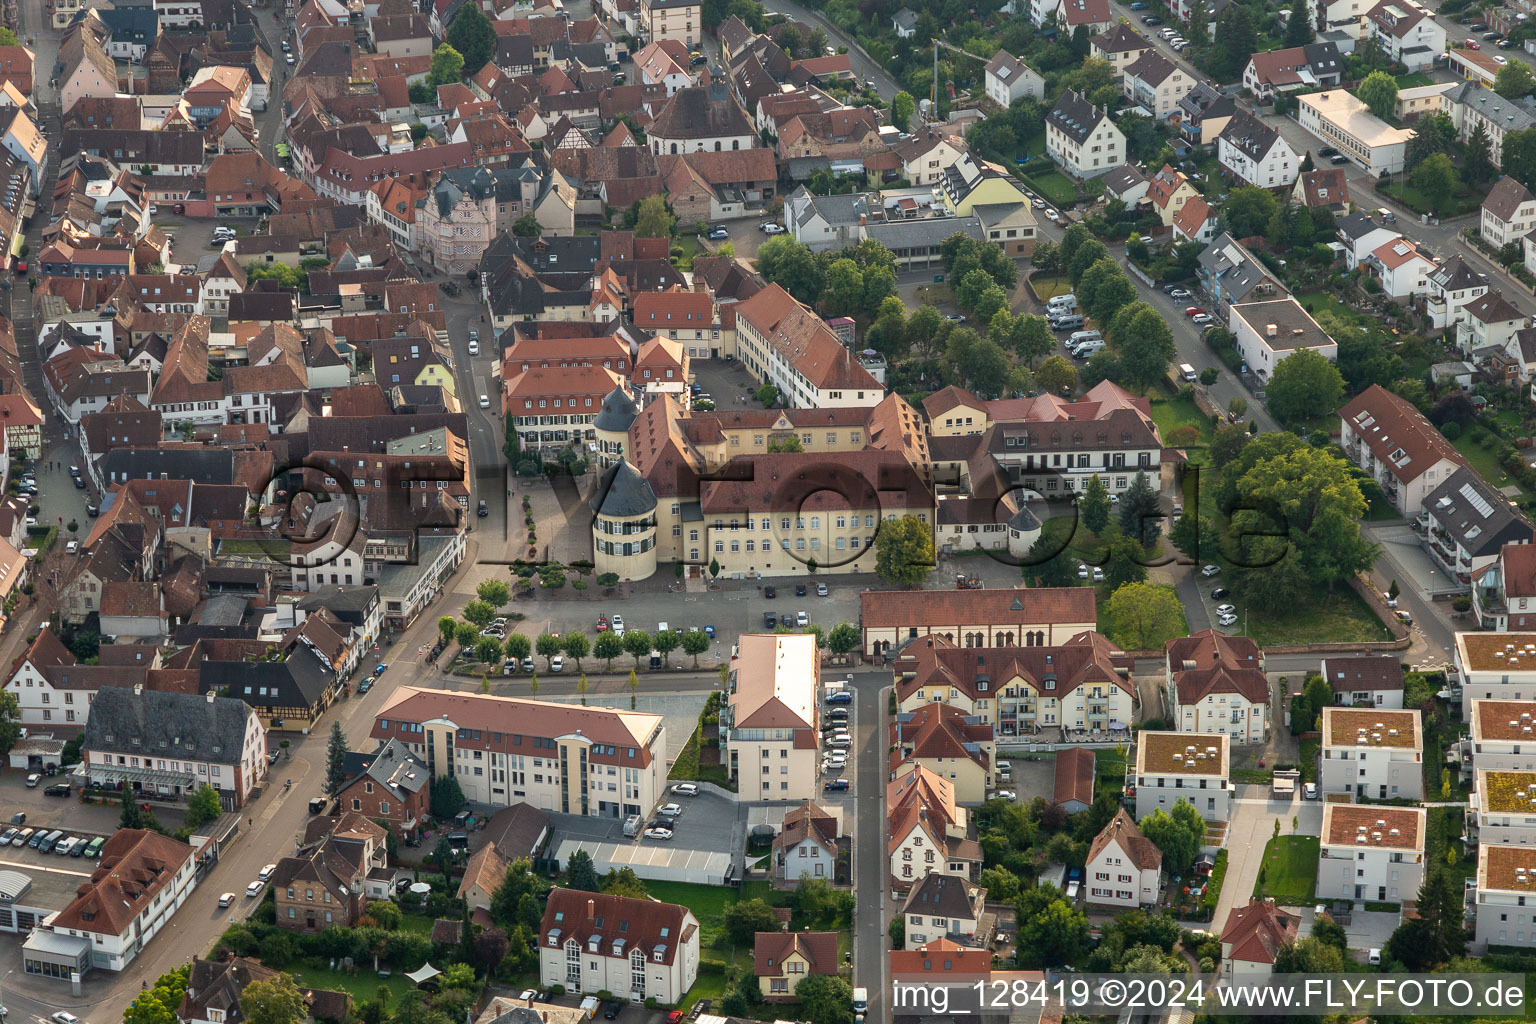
1479	446
362	985
689	243
1054	186
1339	617
1172	414
1413	81
1464	201
1288	872
1049	287
1313	302
687	766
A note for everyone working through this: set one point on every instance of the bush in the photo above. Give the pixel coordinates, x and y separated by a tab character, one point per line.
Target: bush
1451	430
608	579
1209	376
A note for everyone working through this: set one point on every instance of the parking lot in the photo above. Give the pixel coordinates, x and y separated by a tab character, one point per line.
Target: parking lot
707	841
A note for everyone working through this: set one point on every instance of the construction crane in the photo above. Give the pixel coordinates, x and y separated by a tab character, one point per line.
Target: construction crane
933	90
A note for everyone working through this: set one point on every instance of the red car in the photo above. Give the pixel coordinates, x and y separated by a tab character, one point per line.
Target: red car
1193	311
602	623
674	1017
1473	44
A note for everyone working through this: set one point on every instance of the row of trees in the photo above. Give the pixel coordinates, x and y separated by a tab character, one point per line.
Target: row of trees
852	282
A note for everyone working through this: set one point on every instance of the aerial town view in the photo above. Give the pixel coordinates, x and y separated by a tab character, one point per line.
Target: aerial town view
710	511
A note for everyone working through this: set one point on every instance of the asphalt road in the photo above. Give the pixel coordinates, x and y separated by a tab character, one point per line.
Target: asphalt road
870	941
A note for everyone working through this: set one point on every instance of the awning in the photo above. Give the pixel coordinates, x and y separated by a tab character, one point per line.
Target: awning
427	973
143	776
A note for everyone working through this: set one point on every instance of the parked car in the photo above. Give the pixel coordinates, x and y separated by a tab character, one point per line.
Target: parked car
1339	160
658	833
1309	791
33	780
1220	593
557	664
841	697
1327	151
685	789
719	234
1226	620
771	228
821	590
1193	311
1473	44
57	789
770	593
1210	570
484	509
1499	58
1151	20
671	810
226	899
1179	293
835	785
254	889
611	1009
799	589
1226	609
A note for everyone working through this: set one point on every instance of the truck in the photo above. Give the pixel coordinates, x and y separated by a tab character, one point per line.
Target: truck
861	1000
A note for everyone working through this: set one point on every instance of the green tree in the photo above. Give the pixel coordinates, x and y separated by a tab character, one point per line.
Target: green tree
1379	93
576	646
1140	514
1144	343
1196	535
1305	384
447	66
902	108
487	650
792	266
273	1001
158	1005
1104	290
745	918
203	806
479	613
695	642
1124	563
1514	80
1199	25
471	34
904	551
132	816
7	37
1236	39
1057	375
335	759
666	641
580	872
494	593
654	220
1031	338
1518	156
1178	835
527	226
1087	254
1247	211
446	798
1046	564
638	643
1309	956
898	930
825	999
844	637
843	294
1093	506
1298	27
518	647
548	645
924	326
1432	133
513	902
1049	926
1478	166
607	646
446	626
1436	177
1145	616
624	882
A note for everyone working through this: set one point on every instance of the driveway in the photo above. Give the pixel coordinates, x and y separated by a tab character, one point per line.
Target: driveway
1251	827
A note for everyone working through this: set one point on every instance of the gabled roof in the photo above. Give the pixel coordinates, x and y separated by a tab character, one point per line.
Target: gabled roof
1123	832
617	922
1209	662
1324	188
1120	39
804	341
771	949
136	866
1506	197
1074	776
1397	433
1256	932
1074	116
1493	308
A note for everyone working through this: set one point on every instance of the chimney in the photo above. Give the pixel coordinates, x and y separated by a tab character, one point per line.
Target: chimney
211	694
138	689
1271	329
591	909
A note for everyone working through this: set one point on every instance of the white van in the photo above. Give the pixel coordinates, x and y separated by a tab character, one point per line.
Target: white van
1062	303
1081	336
1187	372
1065	321
1088	349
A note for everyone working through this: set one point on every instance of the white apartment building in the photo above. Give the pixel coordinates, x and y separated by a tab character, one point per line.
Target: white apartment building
927	829
1502	810
637	949
1340	120
1505	900
1496	666
769	731
785	344
1372	753
1124	868
1503	735
1408	33
600	762
1386	436
1509	212
1174	766
1253	153
1371	853
1268	332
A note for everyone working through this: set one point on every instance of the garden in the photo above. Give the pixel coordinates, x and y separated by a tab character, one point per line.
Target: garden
1288	872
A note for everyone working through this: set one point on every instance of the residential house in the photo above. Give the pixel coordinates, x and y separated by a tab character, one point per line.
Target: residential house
770	727
928	830
1081	137
928	155
1387	437
1230	274
1322	190
325	883
905	23
1009	79
780	960
1124	868
1298	67
1168	190
1504	595
1474	104
944	907
1361	235
1365	680
1252	938
1408	33
1204	113
1121	46
637	949
1371	853
1465	524
1371	753
1403	270
681	20
390	785
1157	84
1174	766
1491	322
1500	897
1253	153
1196	222
1451	287
1508	214
1495	666
784	343
949	743
1216	684
806	845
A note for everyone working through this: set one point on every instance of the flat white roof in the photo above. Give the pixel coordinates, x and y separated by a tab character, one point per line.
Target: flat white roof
1350	116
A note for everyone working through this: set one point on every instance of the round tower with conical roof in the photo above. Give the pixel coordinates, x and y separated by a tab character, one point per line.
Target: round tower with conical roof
624	523
611	427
